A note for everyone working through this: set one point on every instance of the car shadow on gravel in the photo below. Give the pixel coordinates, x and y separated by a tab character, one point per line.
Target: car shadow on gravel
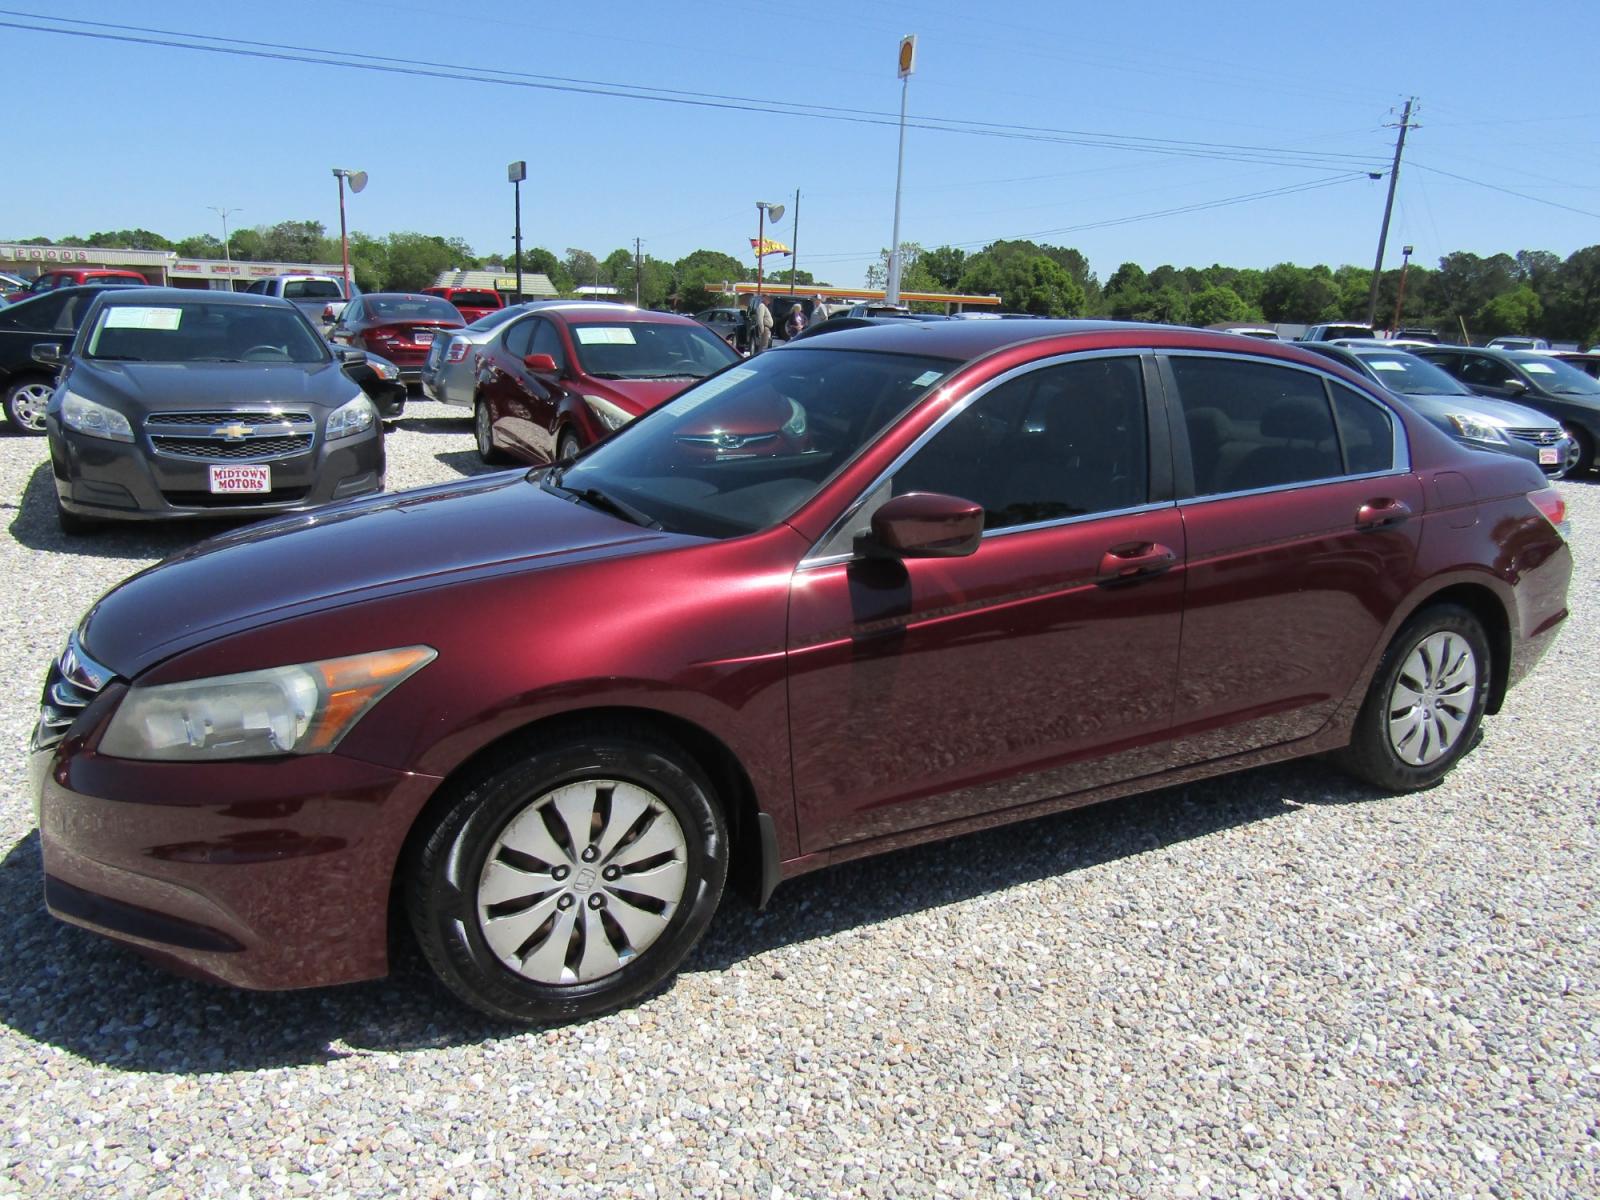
34	526
68	988
467	462
453	425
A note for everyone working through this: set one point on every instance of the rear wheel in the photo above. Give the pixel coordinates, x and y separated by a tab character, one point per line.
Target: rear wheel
26	401
572	880
1425	704
483	433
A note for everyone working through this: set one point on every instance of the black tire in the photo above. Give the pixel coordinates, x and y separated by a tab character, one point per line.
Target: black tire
567	448
25	402
1583	460
483	435
1372	755
73	525
448	865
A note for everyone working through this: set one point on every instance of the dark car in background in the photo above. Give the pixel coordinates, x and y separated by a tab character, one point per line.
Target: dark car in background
567	374
398	326
183	404
727	323
51	318
378	378
1480	422
471	303
995	570
1533	379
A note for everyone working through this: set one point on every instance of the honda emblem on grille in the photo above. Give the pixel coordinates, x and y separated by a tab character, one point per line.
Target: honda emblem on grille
237	431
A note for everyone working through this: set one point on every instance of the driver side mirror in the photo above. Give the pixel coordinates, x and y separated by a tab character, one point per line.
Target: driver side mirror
1515	386
48	353
926	525
350	355
540	364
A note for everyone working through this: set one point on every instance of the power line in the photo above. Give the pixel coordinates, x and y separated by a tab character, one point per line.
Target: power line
1494	187
424	68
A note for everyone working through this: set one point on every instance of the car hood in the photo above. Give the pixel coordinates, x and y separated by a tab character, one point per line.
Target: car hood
137	388
1515	416
637	396
350	553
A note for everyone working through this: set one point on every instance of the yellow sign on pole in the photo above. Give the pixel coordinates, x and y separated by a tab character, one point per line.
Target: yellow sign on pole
908	54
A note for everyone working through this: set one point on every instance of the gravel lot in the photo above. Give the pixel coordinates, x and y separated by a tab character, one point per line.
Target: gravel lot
1278	984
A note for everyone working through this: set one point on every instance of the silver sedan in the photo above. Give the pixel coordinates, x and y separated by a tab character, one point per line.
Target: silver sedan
449	373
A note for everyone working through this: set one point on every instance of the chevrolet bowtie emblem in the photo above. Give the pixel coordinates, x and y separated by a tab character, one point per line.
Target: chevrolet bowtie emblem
236	432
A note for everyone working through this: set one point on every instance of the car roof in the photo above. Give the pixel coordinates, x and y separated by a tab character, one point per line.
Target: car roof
971	339
154	295
588	312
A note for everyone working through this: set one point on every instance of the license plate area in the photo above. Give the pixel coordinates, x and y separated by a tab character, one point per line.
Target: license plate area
422	337
239	478
1547	456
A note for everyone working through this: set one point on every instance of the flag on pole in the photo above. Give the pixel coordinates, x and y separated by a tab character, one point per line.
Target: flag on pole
766	246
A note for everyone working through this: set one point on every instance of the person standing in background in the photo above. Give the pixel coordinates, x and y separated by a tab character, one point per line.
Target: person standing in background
760	325
794	324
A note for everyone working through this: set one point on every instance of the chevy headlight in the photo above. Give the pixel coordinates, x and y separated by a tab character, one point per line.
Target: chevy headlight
84	416
347	420
304	709
612	416
1475	429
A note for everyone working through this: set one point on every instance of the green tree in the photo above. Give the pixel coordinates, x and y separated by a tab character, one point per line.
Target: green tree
582	267
1516	311
296	241
1030	283
945	264
369	262
1218	303
1299	295
415	260
540	261
201	245
701	275
130	239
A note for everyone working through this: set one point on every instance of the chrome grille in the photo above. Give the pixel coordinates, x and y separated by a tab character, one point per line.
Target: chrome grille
73	682
212	449
1538	437
231	435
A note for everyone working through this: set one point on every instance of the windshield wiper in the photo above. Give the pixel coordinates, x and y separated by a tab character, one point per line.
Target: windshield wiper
596	498
115	358
611	375
671	375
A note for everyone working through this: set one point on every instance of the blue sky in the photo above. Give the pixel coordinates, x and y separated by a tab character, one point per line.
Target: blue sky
117	135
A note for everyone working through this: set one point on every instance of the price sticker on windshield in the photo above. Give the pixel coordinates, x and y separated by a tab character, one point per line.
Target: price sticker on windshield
140	316
604	335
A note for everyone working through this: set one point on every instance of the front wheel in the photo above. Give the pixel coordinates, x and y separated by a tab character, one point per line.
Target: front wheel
1580	453
25	402
571	881
1425	704
567	448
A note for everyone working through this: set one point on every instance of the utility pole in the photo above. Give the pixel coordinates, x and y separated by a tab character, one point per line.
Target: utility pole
794	244
227	255
1388	208
638	264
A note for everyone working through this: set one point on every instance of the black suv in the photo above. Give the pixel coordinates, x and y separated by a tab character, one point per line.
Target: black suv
25	383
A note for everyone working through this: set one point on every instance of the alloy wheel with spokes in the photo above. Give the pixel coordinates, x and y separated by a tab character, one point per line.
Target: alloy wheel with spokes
582	881
1432	698
569	876
26	402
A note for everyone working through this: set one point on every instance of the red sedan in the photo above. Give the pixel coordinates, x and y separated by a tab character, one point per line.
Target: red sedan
397	326
558	380
867	590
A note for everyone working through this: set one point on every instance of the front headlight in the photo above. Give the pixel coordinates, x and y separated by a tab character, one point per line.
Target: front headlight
304	709
383	368
1475	429
84	416
358	416
612	416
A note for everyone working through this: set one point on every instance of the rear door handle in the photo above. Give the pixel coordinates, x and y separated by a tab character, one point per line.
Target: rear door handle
1134	560
1380	514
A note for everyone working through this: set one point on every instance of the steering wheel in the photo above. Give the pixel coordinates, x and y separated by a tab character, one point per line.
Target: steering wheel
266	352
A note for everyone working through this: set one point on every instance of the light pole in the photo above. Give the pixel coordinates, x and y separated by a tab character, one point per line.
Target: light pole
516	172
764	209
1405	262
358	180
227	255
908	63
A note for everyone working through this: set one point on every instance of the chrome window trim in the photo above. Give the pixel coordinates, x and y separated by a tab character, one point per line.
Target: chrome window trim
1289	487
812	559
1402	446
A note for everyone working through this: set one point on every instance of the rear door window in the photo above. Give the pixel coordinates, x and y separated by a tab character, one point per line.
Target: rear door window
1254	425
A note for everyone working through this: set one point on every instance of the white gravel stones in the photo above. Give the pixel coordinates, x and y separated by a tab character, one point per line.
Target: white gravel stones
1274	985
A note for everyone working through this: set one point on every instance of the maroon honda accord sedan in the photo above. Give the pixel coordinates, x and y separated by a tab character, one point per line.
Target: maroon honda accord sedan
880	588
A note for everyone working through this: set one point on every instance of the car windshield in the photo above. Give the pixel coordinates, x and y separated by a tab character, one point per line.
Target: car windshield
1556	376
745	449
649	350
198	331
476	299
412	308
1411	376
311	289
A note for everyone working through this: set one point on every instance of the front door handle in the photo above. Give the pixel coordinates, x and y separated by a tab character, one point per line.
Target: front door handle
1380	514
1134	560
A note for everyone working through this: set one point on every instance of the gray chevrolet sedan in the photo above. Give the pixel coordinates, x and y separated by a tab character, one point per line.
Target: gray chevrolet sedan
174	403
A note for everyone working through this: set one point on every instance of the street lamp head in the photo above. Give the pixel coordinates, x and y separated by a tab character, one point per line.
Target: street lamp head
1406	250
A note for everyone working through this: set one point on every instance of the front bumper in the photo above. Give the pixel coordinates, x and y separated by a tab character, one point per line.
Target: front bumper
130	481
266	874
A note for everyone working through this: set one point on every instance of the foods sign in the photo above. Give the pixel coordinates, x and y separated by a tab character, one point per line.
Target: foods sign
51	254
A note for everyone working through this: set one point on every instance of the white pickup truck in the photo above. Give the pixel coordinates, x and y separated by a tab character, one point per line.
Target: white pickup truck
320	297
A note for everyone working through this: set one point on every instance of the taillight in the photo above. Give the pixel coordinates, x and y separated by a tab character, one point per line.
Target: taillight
1549	502
457	351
